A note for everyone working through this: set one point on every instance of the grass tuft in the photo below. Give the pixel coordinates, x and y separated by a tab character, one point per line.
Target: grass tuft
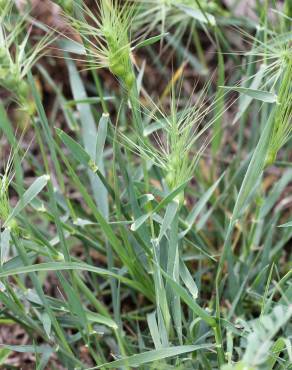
145	218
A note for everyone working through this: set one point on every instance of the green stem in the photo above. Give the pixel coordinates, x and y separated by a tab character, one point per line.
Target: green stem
219	344
99	91
173	271
198	46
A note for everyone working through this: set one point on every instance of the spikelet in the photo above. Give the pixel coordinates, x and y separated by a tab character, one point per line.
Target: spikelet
175	148
15	60
106	38
283	117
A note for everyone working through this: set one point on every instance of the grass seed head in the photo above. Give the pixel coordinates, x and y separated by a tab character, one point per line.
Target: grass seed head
106	38
283	117
175	146
116	21
274	52
17	57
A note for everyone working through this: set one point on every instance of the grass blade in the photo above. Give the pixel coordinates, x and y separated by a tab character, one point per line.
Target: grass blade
35	188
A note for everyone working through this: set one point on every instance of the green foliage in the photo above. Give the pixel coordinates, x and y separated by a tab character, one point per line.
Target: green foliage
146	223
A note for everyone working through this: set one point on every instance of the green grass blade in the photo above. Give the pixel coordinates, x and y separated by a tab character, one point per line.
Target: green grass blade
264	96
154	355
35	188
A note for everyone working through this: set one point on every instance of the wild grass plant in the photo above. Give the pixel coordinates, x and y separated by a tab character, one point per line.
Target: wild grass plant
15	56
146	213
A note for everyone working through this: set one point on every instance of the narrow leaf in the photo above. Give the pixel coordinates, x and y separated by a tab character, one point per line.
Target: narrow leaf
288	224
199	206
4	245
197	14
170	213
149	41
204	315
188	280
140	221
35	188
264	96
75	148
154	355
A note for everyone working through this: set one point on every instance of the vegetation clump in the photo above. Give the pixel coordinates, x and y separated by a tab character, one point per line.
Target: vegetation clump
145	211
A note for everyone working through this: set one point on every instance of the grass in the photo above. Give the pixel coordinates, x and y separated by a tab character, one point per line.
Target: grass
146	213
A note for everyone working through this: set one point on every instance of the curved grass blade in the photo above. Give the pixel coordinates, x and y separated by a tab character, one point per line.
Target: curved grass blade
154	355
59	266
